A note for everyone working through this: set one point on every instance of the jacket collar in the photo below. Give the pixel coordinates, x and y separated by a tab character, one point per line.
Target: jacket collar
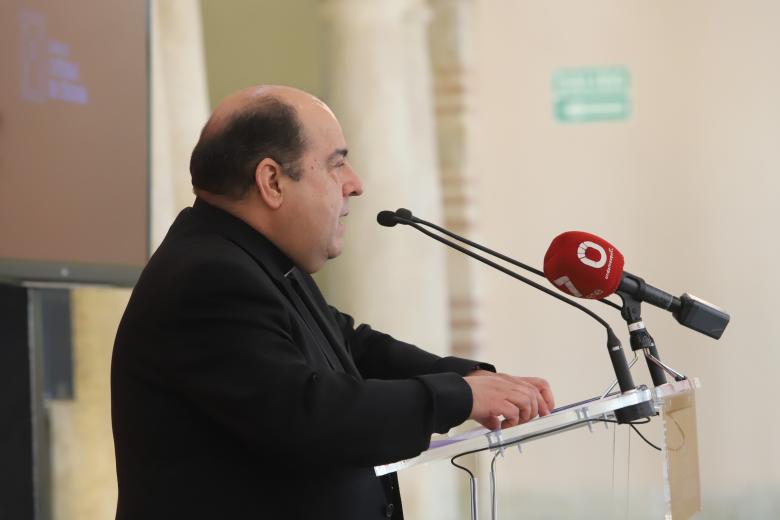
283	271
245	236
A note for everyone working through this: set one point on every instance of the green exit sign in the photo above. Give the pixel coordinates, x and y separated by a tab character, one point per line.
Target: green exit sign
591	94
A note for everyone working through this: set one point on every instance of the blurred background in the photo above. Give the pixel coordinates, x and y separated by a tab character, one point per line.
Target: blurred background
655	125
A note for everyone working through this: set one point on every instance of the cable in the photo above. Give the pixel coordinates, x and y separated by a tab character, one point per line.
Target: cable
467	470
628	476
493	507
644	438
614	449
472	486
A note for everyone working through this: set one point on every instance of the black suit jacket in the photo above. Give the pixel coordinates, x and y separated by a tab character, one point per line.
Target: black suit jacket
236	394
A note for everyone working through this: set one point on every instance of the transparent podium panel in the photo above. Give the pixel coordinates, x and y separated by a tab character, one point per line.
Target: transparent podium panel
593	469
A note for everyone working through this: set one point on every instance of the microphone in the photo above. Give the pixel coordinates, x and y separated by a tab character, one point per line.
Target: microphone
587	266
614	347
387	218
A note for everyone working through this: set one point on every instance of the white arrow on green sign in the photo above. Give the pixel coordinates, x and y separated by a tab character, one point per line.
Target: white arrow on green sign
591	94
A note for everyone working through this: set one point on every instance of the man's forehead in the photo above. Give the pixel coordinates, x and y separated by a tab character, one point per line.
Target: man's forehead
321	125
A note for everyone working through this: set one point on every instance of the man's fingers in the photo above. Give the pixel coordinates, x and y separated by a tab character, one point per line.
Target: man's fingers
531	406
491	423
527	399
544	388
510	411
539	384
544	409
518	399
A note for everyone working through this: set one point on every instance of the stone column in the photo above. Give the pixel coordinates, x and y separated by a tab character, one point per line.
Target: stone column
451	55
179	106
391	278
451	47
378	84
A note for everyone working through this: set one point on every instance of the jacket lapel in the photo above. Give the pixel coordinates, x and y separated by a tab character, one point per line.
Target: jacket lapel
295	294
326	322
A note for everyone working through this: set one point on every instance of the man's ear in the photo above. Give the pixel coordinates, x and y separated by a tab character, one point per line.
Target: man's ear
268	181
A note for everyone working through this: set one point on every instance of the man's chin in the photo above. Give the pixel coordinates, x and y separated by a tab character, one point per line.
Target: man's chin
334	250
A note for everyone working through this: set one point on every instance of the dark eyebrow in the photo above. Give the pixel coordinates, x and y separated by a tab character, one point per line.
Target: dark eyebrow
340	152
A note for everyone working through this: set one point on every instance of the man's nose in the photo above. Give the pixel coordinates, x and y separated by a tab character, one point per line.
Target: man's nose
353	186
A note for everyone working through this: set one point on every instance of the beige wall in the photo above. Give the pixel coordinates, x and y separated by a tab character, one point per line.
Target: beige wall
687	188
249	42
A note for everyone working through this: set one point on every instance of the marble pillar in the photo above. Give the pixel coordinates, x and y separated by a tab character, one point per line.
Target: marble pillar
451	55
179	106
451	50
392	278
378	83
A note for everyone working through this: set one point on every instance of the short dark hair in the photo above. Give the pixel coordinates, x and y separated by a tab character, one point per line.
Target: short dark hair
224	160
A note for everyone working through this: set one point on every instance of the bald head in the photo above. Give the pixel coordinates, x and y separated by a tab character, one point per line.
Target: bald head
254	97
246	127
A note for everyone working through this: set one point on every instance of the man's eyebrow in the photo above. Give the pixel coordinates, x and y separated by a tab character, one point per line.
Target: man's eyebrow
340	152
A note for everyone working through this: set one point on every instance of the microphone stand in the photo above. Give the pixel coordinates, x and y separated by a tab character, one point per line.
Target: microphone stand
642	340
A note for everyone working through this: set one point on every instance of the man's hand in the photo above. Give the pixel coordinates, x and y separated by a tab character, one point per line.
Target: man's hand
518	399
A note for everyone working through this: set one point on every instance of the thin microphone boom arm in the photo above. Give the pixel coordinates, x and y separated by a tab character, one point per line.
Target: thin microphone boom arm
504	270
466	241
406	214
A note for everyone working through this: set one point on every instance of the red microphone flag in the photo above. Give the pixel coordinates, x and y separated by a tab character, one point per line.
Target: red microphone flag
583	265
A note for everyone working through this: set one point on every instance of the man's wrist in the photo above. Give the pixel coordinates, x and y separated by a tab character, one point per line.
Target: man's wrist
461	366
482	369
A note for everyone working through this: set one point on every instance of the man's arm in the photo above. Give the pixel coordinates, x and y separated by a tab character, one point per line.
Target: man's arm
517	399
218	336
379	355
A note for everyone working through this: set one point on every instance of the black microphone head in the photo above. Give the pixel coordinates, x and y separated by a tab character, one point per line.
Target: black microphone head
404	213
386	218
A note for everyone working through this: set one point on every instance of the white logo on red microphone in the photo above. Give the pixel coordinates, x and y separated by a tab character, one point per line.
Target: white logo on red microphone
564	281
583	249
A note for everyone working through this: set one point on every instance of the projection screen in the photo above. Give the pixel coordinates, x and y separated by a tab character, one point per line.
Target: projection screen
74	140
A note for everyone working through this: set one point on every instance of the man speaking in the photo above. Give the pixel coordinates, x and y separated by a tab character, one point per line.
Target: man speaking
237	392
